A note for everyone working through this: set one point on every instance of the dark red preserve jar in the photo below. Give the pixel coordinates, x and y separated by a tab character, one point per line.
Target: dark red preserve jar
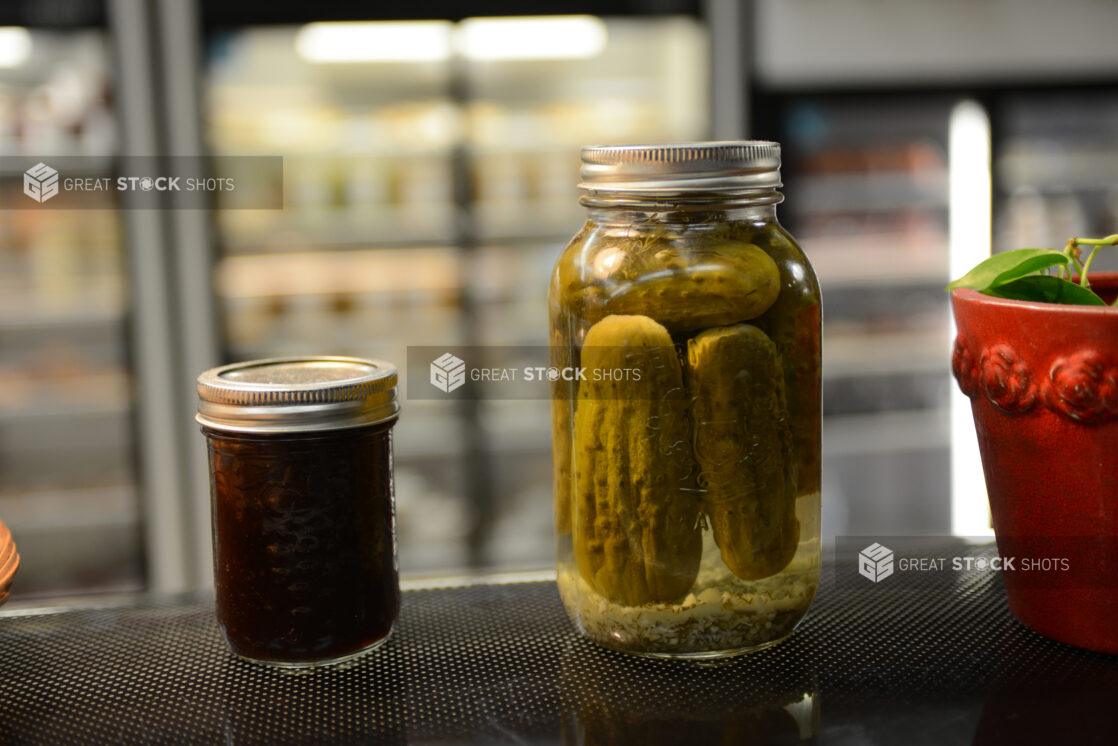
304	523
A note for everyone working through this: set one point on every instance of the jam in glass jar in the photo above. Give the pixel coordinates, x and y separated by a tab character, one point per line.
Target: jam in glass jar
304	526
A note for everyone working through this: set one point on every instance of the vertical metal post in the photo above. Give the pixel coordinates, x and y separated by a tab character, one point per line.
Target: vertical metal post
477	453
192	251
152	328
729	23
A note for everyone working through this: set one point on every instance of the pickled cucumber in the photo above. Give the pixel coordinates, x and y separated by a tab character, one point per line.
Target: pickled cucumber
635	522
743	447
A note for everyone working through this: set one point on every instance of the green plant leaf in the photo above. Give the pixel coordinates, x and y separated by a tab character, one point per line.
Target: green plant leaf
1007	266
1046	289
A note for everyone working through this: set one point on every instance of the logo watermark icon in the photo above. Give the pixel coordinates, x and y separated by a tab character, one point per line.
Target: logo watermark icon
40	182
448	373
875	562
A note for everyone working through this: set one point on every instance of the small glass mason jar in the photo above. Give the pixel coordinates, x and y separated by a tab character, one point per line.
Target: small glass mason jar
304	522
687	449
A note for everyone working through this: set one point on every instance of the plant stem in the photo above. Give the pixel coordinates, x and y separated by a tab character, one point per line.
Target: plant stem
1110	240
1071	249
1087	266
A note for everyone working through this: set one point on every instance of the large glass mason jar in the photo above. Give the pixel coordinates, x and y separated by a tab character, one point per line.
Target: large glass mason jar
686	421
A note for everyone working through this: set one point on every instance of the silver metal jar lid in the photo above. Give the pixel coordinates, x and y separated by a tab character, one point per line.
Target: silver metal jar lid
728	167
295	394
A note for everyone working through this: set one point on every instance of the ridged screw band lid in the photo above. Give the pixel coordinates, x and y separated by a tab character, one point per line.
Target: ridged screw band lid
728	167
293	394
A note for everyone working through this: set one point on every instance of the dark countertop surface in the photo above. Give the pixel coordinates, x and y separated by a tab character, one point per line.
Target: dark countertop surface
919	658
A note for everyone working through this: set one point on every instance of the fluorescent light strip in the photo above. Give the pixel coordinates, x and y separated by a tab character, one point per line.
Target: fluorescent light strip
531	38
375	41
476	39
969	205
15	46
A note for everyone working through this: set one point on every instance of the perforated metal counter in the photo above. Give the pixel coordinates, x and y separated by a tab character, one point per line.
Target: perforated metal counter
924	661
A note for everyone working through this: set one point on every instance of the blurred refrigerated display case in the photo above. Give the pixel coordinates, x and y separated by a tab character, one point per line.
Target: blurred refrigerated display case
867	185
430	185
1055	161
868	174
68	482
866	96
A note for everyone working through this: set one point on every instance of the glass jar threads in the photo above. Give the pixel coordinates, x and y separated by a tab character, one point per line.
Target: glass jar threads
304	525
687	453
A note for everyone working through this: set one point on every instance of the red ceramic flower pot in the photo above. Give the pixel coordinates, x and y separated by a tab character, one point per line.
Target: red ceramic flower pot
1043	383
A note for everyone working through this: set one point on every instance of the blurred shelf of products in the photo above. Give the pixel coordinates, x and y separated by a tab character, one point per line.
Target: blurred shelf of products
919	137
67	474
870	179
1054	165
430	173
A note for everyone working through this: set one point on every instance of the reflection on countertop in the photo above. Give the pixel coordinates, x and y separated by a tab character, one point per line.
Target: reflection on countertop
918	658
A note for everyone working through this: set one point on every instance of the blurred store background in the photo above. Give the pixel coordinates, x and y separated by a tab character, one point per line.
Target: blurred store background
431	160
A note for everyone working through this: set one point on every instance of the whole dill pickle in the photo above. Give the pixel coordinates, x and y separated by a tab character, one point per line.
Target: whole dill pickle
635	515
742	444
689	290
